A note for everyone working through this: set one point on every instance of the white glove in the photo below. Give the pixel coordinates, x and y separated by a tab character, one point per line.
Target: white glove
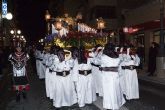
121	50
133	56
116	49
128	51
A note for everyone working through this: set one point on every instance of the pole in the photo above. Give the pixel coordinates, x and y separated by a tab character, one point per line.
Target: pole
160	61
161	51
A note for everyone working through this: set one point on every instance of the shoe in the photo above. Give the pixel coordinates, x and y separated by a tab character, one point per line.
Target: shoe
17	96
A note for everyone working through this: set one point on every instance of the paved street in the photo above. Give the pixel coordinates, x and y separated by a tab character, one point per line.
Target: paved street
150	98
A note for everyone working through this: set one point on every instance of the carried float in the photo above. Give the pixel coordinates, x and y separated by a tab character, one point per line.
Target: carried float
67	32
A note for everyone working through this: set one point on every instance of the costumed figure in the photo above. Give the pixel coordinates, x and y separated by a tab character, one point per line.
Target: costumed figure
39	65
46	55
64	92
51	73
46	62
73	61
20	81
112	93
97	76
122	56
131	79
85	85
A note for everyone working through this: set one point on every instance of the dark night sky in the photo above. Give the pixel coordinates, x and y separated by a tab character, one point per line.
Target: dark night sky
30	17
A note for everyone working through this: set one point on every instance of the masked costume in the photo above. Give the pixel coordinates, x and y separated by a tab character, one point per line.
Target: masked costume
20	81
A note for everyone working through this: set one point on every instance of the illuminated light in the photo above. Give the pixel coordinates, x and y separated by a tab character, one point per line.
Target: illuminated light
112	34
125	29
135	30
9	16
47	15
22	37
12	31
18	31
42	40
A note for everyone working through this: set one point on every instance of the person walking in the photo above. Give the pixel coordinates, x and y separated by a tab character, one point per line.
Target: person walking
112	92
19	60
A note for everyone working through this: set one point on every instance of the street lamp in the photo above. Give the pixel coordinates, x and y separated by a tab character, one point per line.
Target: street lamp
18	32
48	25
9	16
16	36
47	15
15	32
100	24
4	20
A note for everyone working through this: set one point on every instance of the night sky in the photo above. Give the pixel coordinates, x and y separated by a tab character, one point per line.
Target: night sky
30	18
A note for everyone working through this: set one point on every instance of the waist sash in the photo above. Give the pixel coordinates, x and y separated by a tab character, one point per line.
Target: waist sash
85	72
131	67
64	73
113	69
95	65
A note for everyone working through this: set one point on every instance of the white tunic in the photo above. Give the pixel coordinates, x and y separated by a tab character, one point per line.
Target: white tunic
39	65
47	64
131	79
85	86
36	54
122	74
51	76
97	76
45	58
112	94
65	94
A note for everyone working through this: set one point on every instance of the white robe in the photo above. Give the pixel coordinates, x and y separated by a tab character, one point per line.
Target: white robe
36	54
97	76
131	79
65	94
85	85
39	65
112	93
47	63
51	76
45	58
122	74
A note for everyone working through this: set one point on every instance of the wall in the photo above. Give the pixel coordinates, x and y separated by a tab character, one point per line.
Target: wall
143	14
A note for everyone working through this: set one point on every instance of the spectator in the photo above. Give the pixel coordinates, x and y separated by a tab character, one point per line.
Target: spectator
153	51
